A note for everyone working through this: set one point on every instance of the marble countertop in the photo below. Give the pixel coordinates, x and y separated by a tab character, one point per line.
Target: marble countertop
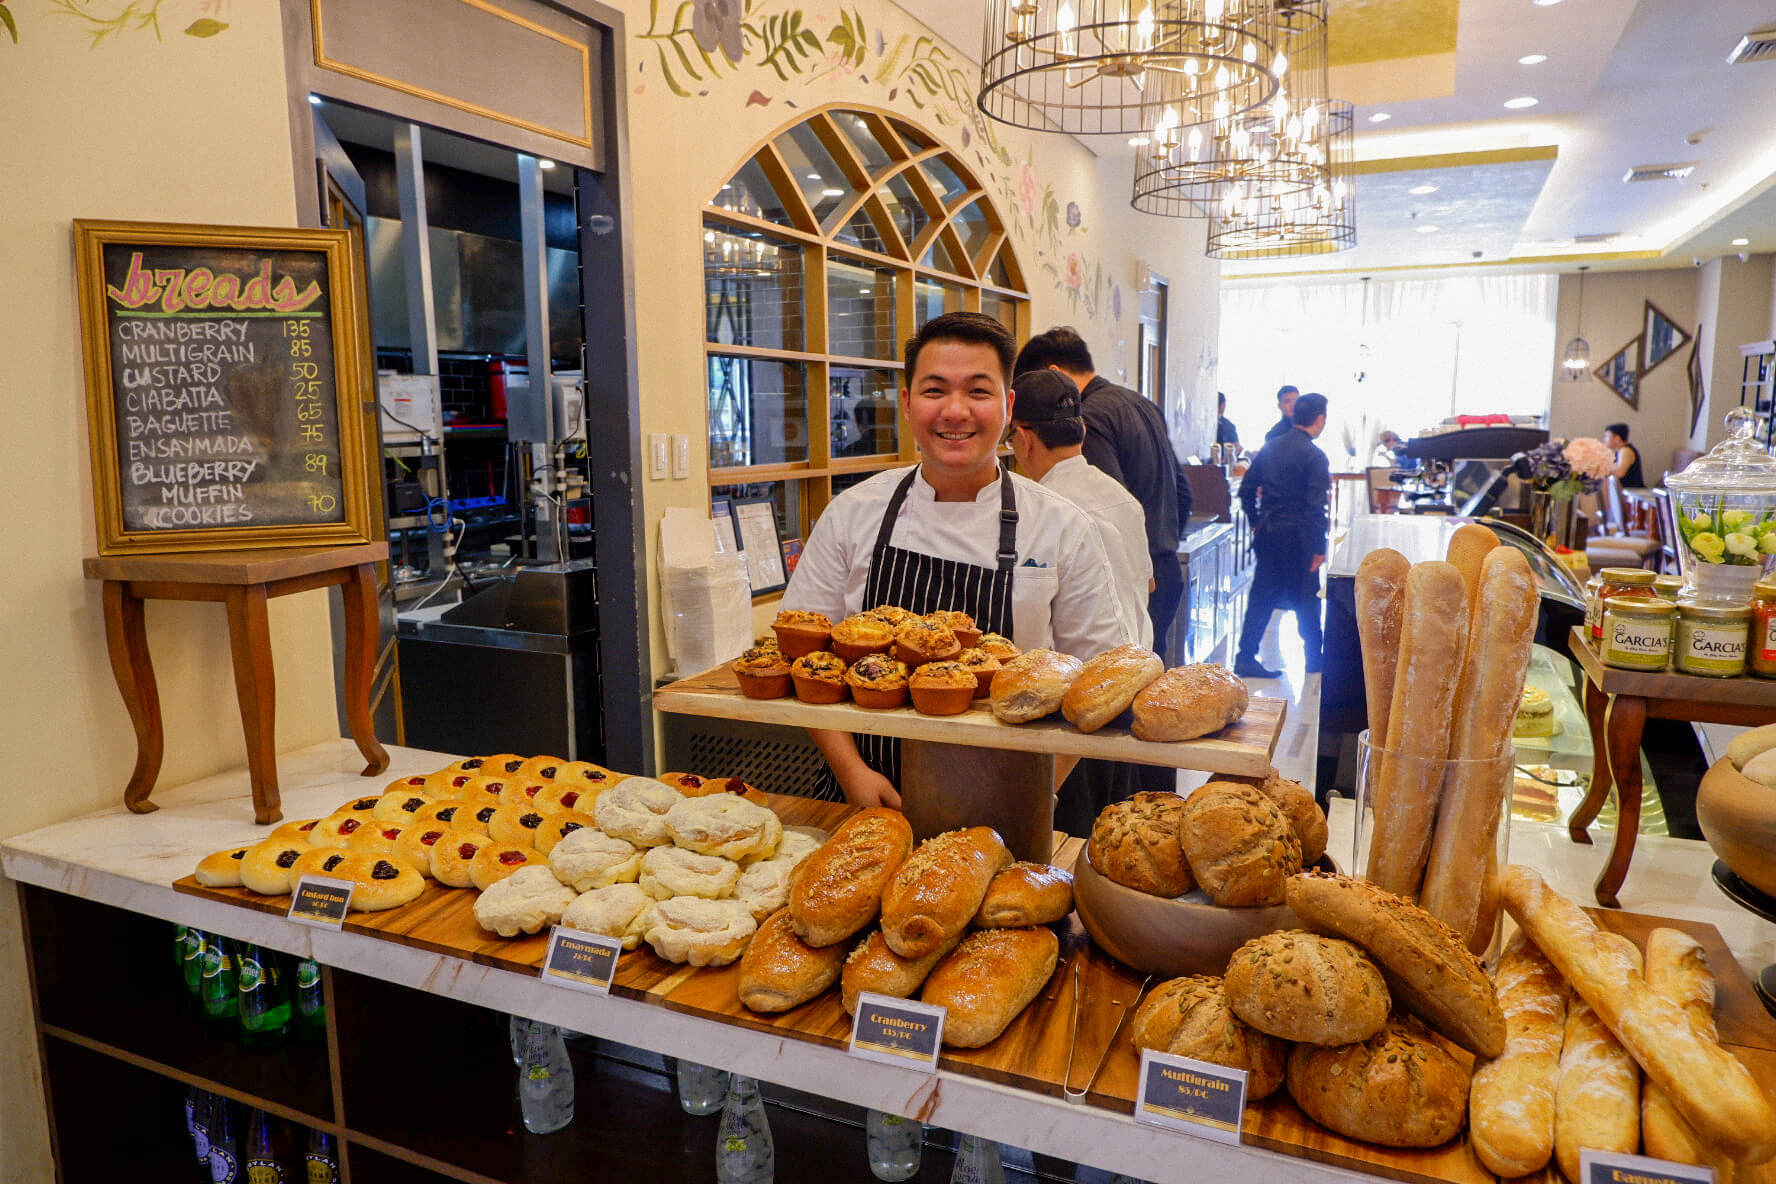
129	861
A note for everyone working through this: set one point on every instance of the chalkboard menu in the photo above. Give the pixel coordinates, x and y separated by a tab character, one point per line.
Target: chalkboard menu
223	386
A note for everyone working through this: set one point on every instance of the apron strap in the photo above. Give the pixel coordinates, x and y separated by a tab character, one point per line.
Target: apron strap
886	531
1008	520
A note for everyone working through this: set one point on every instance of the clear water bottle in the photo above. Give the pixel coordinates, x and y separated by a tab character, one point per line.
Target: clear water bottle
895	1145
977	1162
701	1089
545	1079
200	1103
515	1025
743	1150
225	1149
320	1161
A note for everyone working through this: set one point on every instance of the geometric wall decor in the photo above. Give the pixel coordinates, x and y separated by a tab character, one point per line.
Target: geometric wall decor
1621	372
1660	338
1693	370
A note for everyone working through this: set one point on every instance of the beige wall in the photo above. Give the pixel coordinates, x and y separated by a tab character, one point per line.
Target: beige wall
178	128
1735	306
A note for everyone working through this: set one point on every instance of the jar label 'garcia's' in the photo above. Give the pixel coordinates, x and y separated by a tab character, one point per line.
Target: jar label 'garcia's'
1640	640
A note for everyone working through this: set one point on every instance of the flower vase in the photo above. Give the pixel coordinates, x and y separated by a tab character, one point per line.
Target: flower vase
1722	583
1551	518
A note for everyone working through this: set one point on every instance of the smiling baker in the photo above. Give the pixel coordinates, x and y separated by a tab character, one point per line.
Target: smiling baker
957	532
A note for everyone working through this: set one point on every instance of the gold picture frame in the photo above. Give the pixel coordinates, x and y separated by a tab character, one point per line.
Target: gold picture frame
212	387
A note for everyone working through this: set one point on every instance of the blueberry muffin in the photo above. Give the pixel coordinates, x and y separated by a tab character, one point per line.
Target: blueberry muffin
861	634
762	673
819	677
876	680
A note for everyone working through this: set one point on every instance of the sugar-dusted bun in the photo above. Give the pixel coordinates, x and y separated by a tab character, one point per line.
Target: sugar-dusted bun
779	970
614	910
589	858
516	822
223	869
1032	685
1189	701
452	855
1240	845
763	887
268	867
558	826
528	901
1399	1088
667	872
723	824
1107	684
399	807
1136	843
495	861
636	811
1306	989
701	932
1190	1017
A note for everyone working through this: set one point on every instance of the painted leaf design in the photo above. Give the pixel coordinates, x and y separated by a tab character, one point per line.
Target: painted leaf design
205	27
11	27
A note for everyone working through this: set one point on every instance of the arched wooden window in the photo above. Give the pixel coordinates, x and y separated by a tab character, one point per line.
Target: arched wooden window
835	240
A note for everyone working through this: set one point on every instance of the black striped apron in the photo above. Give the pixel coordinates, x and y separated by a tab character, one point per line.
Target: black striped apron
926	584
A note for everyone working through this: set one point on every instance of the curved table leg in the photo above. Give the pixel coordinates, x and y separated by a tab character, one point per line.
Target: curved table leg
359	593
126	638
1596	706
249	636
1627	718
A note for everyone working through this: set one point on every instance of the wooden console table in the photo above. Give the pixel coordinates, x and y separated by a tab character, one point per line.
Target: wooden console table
243	581
1617	705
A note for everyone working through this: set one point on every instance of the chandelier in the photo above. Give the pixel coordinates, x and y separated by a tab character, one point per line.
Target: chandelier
1091	67
1249	223
1575	360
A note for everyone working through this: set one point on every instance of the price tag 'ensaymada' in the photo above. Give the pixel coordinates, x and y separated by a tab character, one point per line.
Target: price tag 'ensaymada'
1612	1167
583	961
897	1031
1192	1096
321	900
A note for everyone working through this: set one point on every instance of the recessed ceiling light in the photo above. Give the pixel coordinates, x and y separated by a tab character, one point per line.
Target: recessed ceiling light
545	164
1741	242
1521	102
1544	3
813	176
1428	229
832	193
315	100
1532	59
1139	141
1422	190
1380	117
863	291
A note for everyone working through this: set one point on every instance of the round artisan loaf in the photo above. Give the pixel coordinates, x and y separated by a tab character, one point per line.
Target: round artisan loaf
1032	685
1307	989
1135	842
1190	1017
1241	847
1189	701
1304	814
1399	1088
1108	684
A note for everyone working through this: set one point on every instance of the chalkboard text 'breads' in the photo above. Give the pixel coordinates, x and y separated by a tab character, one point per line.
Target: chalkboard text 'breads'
224	390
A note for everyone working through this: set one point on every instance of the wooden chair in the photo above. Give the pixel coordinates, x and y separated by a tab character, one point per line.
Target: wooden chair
1667	529
1384	495
1615	547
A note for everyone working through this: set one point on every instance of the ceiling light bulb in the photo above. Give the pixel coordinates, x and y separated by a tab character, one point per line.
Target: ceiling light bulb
1421	190
1427	229
1521	102
1544	3
1741	242
1139	141
545	164
832	193
1281	65
314	100
1380	117
1532	59
863	291
1213	9
1065	19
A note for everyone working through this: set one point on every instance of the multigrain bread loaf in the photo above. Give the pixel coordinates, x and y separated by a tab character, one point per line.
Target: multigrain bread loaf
779	970
838	889
1511	1107
1306	988
1240	846
1189	701
1428	970
939	888
1677	969
1107	684
1135	842
1598	1102
1304	814
1399	1088
1708	1085
988	979
1032	685
1026	893
873	967
1190	1017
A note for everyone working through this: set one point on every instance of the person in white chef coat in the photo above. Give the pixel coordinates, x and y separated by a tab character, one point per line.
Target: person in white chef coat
955	532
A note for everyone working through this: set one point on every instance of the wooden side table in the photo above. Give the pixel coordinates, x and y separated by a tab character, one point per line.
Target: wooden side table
1617	705
242	581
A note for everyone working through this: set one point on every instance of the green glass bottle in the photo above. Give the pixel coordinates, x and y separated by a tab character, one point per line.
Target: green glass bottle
219	1003
191	962
264	1003
308	1016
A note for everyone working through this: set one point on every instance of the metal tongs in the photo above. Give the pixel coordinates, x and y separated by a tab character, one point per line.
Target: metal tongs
1077	1096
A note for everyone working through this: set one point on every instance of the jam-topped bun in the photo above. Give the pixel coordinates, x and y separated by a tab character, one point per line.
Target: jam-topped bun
921	640
516	823
496	861
762	673
588	774
268	867
414	784
998	645
502	764
399	806
800	632
686	783
451	856
562	797
377	838
468	764
337	830
984	665
522	790
334	862
819	677
942	688
877	680
861	634
300	830
416	843
485	790
451	783
541	768
383	882
443	812
223	869
361	807
557	827
959	623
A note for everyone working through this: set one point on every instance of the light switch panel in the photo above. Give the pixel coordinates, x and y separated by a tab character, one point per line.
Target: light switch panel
681	456
658	450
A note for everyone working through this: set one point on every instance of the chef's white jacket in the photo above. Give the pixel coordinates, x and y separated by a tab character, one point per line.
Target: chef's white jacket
1123	524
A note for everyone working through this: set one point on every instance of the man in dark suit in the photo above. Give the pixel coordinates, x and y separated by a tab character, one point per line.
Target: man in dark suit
1285	495
1286	397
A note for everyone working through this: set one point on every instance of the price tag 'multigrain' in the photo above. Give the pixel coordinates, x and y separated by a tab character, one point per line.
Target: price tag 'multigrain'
1192	1096
897	1031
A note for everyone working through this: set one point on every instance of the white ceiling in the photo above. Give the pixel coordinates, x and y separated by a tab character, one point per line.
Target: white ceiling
1624	84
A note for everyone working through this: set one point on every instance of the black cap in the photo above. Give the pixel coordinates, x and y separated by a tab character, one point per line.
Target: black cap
1044	396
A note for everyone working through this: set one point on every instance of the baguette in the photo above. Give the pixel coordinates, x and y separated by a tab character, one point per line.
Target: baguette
1380	595
939	888
1026	894
1598	1103
988	979
1433	629
779	970
838	889
1468	549
873	967
1707	1084
1511	1104
1486	702
1677	969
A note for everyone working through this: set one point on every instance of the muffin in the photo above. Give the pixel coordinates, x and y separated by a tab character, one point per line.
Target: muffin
819	677
860	634
876	680
921	640
999	646
762	673
799	632
984	665
961	624
892	613
942	688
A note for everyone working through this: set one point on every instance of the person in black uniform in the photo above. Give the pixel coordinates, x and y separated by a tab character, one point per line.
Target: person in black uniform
1285	493
1225	432
1286	397
1627	465
1125	435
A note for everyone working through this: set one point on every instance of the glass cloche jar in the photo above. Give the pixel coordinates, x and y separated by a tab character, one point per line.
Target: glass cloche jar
1724	504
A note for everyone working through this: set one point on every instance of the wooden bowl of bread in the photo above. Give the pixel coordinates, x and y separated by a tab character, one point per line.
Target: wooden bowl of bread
1736	807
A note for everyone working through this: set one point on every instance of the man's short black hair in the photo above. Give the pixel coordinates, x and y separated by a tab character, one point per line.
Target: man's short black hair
1286	390
974	327
1057	433
1061	346
1309	408
1220	400
1620	429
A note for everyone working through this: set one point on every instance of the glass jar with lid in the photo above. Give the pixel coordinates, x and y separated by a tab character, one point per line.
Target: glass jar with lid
1637	633
1711	639
1724	505
1668	586
1619	581
1762	657
1593	606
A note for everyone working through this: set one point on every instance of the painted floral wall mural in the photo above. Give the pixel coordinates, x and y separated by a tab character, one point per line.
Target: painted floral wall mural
783	49
102	20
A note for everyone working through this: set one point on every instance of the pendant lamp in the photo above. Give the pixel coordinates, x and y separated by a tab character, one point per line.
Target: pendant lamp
1575	361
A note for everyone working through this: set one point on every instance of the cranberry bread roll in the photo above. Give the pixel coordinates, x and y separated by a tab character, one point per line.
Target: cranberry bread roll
1026	893
838	889
875	968
988	979
779	970
939	888
1108	684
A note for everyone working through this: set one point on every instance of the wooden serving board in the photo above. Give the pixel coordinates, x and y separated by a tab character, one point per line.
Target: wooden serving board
1242	748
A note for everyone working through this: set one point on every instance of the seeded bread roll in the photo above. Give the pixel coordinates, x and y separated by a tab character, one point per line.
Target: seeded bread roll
1511	1107
1427	968
1135	842
873	967
988	979
1190	1017
1598	1102
1032	685
1399	1088
1307	989
1304	814
1189	701
939	888
1240	846
1026	893
838	889
1108	684
779	970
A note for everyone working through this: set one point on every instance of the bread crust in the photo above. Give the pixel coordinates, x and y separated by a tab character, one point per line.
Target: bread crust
1598	1102
1399	1088
1306	989
1511	1105
1136	843
1677	968
1032	685
1304	815
1186	702
938	889
1191	1017
779	970
838	889
988	979
1380	591
1240	846
1107	684
1026	893
872	966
